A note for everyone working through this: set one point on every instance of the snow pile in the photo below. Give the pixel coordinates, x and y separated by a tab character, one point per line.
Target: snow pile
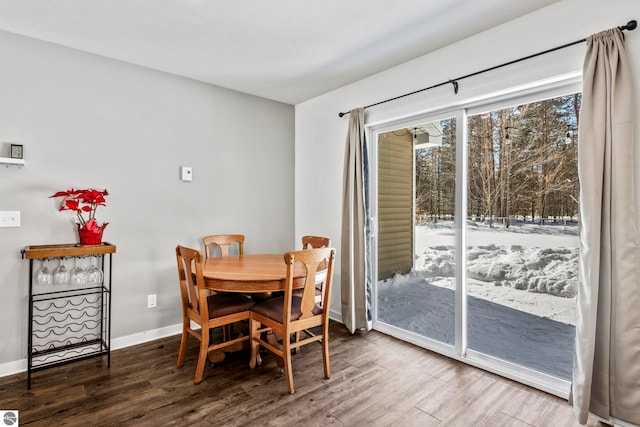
542	270
531	268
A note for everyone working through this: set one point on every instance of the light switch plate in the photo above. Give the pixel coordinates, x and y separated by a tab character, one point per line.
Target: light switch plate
186	173
9	218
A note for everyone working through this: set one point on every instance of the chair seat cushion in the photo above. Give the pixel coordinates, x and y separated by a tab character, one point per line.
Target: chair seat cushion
223	304
273	308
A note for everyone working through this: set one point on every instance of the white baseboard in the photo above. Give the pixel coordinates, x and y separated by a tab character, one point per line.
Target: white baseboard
14	367
18	366
146	336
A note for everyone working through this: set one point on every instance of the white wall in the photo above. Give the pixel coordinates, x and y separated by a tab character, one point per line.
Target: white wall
320	134
84	121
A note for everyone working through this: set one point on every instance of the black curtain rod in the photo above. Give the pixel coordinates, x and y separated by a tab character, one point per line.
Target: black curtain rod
631	25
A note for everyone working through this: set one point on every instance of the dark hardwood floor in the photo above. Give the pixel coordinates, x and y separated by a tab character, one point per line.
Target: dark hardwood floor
376	380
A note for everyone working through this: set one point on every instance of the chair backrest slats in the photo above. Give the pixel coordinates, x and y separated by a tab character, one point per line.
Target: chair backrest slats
311	242
317	263
192	287
223	242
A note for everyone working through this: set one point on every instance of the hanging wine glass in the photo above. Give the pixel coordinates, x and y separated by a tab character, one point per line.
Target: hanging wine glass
94	274
61	274
44	276
78	276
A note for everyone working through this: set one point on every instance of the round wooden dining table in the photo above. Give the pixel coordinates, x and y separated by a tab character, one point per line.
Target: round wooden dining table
249	273
256	273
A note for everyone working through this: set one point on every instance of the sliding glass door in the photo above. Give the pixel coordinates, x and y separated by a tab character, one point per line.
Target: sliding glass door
476	241
416	237
522	233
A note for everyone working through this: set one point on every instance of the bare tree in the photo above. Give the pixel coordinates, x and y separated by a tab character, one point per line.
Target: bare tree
522	160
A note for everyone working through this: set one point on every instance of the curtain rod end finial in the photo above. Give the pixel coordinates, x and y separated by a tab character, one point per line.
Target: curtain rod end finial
631	25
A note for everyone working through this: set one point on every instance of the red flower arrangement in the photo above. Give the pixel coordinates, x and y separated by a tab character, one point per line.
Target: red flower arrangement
85	202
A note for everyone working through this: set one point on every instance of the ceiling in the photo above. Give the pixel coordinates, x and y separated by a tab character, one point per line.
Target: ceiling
285	50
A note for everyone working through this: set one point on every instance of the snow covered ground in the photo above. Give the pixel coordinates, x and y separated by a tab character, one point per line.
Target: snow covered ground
521	285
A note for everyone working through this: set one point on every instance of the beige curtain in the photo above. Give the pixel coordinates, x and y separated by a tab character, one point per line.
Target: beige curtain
355	289
606	375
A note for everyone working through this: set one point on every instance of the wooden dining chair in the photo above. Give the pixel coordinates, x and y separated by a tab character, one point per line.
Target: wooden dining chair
289	314
206	311
222	243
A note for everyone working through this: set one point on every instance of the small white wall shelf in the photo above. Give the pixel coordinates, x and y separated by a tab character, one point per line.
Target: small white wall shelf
9	161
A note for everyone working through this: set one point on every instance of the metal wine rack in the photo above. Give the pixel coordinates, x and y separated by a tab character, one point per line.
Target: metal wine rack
66	322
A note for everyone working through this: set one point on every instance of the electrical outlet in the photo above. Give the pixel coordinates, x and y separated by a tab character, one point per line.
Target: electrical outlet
151	301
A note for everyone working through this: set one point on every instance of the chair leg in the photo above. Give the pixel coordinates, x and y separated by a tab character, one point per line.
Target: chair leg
325	352
183	346
286	358
202	355
295	350
255	345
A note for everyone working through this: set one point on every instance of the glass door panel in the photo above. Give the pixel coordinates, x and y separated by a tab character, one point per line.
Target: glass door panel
416	235
522	234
